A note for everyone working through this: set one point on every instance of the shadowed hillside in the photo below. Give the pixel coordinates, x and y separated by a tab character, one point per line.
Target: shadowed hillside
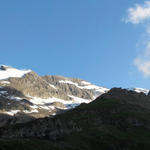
117	120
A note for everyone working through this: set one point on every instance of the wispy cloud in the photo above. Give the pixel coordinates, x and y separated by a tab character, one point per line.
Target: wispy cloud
140	14
142	62
143	66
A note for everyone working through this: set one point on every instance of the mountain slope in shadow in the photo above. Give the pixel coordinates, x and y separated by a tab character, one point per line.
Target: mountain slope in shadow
117	120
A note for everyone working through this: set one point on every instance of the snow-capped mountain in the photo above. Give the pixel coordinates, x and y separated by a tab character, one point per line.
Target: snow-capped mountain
25	93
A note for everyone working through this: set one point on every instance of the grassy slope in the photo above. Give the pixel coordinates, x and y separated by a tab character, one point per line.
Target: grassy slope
107	124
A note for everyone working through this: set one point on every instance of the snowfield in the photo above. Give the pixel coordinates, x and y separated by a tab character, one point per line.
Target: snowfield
139	90
86	85
12	72
68	103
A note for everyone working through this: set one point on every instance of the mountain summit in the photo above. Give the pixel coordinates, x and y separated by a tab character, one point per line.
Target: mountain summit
9	72
25	94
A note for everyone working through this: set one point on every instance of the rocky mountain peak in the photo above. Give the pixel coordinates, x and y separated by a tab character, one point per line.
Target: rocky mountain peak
25	93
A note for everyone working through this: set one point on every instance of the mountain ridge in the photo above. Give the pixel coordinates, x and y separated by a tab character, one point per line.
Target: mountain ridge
25	93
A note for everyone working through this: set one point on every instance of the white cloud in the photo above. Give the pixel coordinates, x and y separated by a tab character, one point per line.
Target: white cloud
138	13
142	61
143	66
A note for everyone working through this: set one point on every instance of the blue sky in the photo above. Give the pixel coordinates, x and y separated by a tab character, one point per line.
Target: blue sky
94	40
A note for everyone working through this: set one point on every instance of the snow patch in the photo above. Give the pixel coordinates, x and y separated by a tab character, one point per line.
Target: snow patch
12	72
79	100
87	85
85	82
32	111
34	106
139	90
14	98
53	86
68	82
40	101
12	112
48	107
3	92
54	114
5	82
68	103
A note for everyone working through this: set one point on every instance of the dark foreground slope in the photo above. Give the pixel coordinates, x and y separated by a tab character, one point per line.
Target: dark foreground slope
118	120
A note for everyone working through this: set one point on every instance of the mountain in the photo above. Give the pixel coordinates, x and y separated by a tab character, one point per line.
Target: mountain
25	96
117	120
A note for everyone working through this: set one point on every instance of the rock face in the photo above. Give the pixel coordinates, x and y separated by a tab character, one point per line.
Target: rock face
117	120
25	93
